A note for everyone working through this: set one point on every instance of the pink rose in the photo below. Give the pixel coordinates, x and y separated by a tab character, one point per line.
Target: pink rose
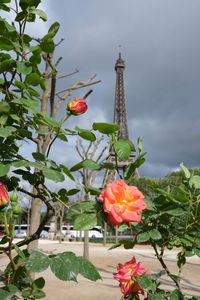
126	274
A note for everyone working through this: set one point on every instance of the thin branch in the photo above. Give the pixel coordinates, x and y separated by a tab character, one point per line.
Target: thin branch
160	258
77	85
61	40
67	92
69	74
78	150
82	148
87	94
96	145
28	193
101	154
35	140
58	61
52	94
16	5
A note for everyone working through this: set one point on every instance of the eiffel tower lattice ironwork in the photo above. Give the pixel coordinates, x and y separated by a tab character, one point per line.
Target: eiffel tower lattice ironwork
120	118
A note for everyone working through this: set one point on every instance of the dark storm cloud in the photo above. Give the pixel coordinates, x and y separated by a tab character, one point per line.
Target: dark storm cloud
161	46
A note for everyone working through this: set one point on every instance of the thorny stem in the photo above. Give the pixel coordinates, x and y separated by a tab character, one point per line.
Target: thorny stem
160	258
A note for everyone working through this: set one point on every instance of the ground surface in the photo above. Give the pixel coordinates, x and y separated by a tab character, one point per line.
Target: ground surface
106	262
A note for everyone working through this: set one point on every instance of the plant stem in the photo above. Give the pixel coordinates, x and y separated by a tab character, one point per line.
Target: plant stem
160	258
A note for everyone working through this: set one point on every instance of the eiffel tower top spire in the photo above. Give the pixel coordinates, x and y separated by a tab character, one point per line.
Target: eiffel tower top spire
120	114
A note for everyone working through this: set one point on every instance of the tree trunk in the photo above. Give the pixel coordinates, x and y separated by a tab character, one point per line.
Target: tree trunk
86	245
42	145
34	221
105	234
116	235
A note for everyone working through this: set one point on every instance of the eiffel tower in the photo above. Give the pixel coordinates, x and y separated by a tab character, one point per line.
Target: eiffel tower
120	118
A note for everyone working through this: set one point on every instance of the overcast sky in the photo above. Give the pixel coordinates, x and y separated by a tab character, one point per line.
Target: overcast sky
161	47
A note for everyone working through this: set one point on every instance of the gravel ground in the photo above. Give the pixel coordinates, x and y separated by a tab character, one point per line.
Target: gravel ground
106	262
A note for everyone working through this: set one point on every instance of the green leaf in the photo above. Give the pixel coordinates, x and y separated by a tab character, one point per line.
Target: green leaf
39	156
24	4
156	296
4	169
197	251
7	65
143	237
7	131
87	164
86	134
37	262
72	192
4	107
53	175
26	293
33	79
93	191
47	45
33	92
24	67
85	221
155	234
87	206
139	144
146	282
122	149
65	266
51	122
53	29
87	270
150	204
174	212
39	283
5	239
6	293
38	294
6	44
4	7
67	172
5	1
28	103
19	251
90	164
3	120
77	167
185	170
195	181
40	13
131	168
20	85
62	137
106	128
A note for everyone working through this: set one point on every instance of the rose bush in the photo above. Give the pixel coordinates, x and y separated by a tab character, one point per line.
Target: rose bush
29	109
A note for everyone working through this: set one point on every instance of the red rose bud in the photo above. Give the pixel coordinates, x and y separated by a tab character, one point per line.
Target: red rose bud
4	197
77	107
